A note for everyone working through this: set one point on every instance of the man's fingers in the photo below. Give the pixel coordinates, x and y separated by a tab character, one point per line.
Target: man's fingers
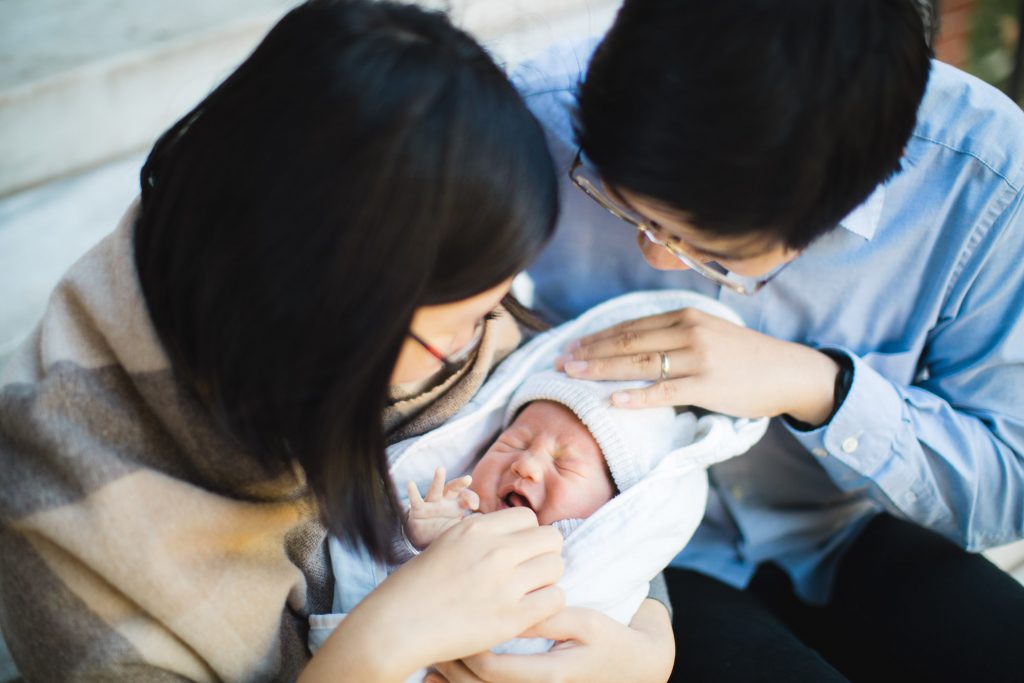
673	392
632	342
646	365
651	322
683	316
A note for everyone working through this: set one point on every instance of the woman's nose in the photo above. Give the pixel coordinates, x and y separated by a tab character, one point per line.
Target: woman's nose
527	467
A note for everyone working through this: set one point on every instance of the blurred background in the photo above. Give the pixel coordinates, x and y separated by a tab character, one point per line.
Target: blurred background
86	86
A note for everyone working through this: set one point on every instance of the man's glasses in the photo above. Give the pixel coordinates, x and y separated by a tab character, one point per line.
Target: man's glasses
589	183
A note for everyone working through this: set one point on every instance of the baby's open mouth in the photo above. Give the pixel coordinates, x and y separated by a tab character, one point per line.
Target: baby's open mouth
515	500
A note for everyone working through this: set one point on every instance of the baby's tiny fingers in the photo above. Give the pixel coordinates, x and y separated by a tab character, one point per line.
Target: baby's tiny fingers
452	488
436	486
414	493
469	500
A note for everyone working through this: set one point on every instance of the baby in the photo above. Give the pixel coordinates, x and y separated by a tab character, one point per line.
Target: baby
564	455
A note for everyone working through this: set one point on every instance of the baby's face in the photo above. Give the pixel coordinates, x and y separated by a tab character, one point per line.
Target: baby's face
546	460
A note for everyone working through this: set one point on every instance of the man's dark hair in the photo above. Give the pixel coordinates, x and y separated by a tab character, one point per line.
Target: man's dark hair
367	159
776	117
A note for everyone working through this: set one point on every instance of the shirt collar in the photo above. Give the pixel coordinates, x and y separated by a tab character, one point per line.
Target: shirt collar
863	220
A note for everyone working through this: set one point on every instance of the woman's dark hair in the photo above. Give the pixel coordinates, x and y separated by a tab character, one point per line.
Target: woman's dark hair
776	117
367	159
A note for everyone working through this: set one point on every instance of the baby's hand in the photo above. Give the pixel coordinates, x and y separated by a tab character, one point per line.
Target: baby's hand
443	507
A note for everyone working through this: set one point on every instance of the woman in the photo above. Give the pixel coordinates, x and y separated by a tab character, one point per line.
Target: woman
315	267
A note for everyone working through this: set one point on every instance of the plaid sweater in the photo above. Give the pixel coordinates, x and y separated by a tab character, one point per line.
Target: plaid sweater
137	541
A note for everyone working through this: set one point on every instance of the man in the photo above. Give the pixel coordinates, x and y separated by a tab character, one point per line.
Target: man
861	208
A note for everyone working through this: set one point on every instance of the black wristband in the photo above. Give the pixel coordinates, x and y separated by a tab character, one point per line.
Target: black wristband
844	380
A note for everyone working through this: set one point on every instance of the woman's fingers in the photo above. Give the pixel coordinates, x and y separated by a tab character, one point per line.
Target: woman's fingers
540	571
514	547
571	623
507	521
531	542
541	604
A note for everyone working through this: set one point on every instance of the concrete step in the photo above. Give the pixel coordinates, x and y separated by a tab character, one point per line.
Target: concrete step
82	83
44	230
85	89
85	82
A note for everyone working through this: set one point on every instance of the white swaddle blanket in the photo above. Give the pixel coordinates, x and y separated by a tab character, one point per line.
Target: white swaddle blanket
611	556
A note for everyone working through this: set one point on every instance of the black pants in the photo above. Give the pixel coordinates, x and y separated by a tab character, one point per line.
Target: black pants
908	605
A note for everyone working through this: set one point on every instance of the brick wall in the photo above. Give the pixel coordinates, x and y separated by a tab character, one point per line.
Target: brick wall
954	31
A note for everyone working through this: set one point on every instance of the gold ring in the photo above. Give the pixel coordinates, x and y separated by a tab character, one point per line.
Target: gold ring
666	366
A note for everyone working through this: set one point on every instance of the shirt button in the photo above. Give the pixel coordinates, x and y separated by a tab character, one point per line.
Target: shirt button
820	452
737	492
850	444
910	497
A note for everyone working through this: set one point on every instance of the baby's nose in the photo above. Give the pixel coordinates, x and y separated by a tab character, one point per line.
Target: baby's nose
527	467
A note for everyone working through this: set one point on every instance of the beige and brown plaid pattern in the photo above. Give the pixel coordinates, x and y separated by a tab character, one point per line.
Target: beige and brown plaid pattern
137	542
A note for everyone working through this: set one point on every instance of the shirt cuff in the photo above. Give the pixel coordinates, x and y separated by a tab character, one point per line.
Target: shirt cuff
858	441
402	547
659	591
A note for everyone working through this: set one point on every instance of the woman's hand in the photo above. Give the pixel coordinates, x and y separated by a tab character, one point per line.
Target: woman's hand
713	364
592	648
485	580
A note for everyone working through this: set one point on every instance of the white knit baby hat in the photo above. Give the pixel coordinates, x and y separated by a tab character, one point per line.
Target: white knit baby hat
633	441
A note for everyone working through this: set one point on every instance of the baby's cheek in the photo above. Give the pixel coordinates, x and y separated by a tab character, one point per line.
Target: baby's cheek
484	487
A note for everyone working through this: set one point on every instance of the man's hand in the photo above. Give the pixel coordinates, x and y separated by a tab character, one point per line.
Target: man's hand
444	506
712	363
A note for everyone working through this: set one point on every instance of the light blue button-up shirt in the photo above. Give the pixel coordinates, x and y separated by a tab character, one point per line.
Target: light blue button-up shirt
923	287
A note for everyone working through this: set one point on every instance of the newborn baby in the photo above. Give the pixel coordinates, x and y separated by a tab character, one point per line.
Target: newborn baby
550	459
546	460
